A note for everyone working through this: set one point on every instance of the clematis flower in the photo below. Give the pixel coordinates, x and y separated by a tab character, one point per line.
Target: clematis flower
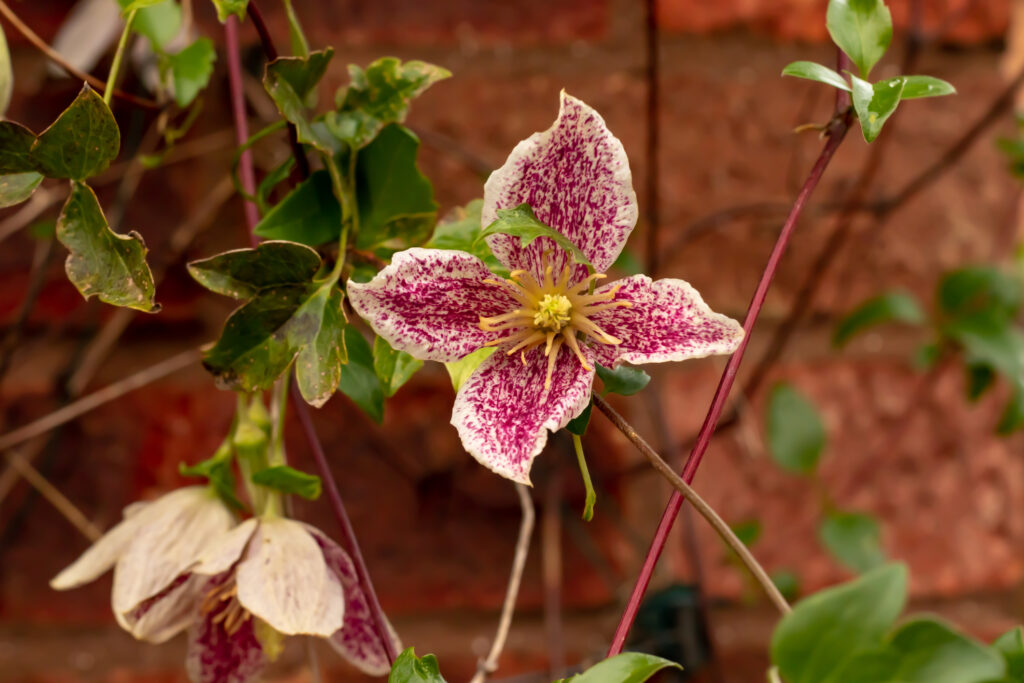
150	551
548	326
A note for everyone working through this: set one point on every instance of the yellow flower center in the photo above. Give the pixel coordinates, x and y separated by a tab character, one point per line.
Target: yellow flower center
551	313
223	600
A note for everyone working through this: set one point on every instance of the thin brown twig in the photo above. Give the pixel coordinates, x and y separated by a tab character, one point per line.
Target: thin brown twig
692	497
50	492
59	60
490	663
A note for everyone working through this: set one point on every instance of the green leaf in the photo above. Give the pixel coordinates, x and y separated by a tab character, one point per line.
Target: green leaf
748	531
310	214
15	144
393	368
991	340
796	435
624	380
159	23
242	273
81	142
226	8
396	201
813	71
862	29
931	652
854	539
129	6
408	668
6	75
893	306
217	470
274	177
303	74
522	223
103	263
17	187
322	355
828	627
1010	646
359	379
629	667
578	425
459	231
979	289
290	81
377	96
916	87
287	480
300	46
461	369
874	104
191	69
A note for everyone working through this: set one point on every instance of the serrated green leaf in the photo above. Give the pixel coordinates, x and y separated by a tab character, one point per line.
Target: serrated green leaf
359	379
310	214
862	29
578	425
15	143
103	263
290	82
893	306
393	368
6	75
377	96
854	539
829	627
628	667
396	201
159	23
930	651
916	87
522	223
408	668
17	187
191	69
1010	646
459	231
796	434
81	142
288	480
242	273
874	104
226	8
813	71
624	380
461	369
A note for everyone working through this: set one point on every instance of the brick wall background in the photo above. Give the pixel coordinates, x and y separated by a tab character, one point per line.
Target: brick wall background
437	529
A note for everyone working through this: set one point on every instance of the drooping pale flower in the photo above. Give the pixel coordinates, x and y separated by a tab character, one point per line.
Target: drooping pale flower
548	326
151	550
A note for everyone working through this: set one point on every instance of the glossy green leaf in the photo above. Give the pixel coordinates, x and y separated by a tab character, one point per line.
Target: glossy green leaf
323	354
226	8
829	627
796	434
578	425
81	142
813	71
854	539
930	651
461	369
15	143
6	75
624	380
979	289
408	668
393	368
894	306
191	69
310	214
159	23
862	29
916	87
628	667
359	380
377	96
217	471
103	263
291	82
17	187
874	104
1010	646
303	74
396	201
522	223
873	665
242	273
288	480
460	229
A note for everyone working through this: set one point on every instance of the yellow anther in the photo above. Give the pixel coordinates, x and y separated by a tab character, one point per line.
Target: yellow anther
554	311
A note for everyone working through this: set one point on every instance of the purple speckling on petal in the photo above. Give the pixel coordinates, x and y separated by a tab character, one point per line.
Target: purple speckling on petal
215	656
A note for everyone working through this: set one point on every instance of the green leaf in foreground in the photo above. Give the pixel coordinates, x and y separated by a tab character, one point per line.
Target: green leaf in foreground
929	651
623	380
854	539
15	144
159	23
81	142
288	480
242	273
796	434
103	263
916	87
578	425
889	307
628	667
813	71
17	187
310	214
303	74
862	29
461	369
290	82
191	69
393	368
359	379
522	223
1010	646
827	628
408	668
874	104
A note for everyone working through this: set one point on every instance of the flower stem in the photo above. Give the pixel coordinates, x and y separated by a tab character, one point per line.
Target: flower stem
115	67
245	167
588	506
835	134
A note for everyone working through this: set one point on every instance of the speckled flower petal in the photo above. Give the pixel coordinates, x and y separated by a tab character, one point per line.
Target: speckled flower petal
357	640
576	177
98	558
168	613
428	303
504	414
214	656
223	551
284	581
668	321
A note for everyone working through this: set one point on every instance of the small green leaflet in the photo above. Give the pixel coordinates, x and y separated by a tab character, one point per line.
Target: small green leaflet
813	71
226	8
628	667
874	104
159	23
408	668
303	74
393	368
1011	646
916	87
103	263
290	82
287	480
359	379
624	380
461	369
522	223
217	470
895	306
17	187
796	435
578	425
242	273
129	6
191	69
81	142
862	29
18	180
310	214
853	538
459	231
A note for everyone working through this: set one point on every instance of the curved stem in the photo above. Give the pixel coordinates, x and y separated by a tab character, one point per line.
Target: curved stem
588	485
115	66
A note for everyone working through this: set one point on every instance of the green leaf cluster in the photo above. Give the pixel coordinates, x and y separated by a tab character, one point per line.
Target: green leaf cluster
460	231
374	372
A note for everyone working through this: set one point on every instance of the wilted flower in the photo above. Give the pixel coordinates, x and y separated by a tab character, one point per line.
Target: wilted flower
548	326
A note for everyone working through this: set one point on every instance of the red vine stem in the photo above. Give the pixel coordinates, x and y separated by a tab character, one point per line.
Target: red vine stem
246	173
835	133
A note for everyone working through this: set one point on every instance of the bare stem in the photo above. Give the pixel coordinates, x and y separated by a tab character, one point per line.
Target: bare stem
245	166
490	664
705	510
115	66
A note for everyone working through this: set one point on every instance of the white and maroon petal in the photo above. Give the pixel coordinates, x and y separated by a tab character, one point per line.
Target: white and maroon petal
503	412
98	558
357	640
215	656
223	551
428	303
576	177
668	321
166	614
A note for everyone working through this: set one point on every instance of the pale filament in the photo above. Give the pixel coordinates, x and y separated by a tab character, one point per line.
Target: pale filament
552	313
231	615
